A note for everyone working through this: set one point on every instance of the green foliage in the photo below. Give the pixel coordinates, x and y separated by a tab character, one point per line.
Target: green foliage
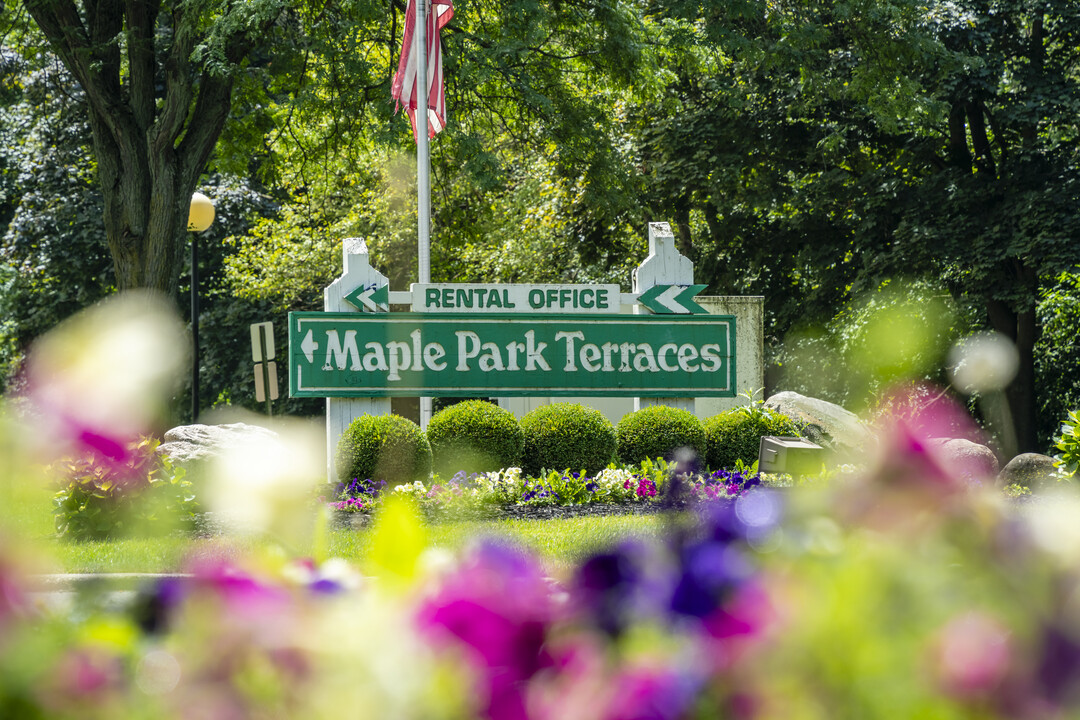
474	436
55	260
1057	353
733	438
897	331
568	488
658	431
141	494
1067	443
383	447
567	435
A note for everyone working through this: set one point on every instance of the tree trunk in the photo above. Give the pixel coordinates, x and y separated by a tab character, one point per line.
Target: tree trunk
959	156
684	239
155	119
1023	329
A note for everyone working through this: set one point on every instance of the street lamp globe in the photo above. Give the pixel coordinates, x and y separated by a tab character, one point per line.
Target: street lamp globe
201	213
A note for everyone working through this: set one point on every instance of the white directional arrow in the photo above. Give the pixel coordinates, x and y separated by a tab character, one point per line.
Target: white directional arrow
365	298
369	298
668	299
309	346
673	299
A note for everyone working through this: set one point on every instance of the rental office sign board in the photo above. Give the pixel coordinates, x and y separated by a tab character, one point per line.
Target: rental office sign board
515	298
343	354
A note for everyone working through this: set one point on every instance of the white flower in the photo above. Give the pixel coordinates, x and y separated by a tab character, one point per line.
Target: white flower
987	361
261	482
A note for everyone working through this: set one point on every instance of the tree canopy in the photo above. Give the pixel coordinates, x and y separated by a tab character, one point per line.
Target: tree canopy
805	150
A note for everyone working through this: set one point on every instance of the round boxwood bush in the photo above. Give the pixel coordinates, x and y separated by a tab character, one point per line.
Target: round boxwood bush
567	435
383	447
736	434
658	431
474	436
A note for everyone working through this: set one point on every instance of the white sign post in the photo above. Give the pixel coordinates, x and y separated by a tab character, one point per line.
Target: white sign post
358	275
664	266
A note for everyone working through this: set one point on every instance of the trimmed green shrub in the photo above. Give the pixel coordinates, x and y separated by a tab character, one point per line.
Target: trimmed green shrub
474	436
658	431
383	447
736	434
567	436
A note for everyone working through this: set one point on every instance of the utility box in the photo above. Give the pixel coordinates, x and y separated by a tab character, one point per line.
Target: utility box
791	455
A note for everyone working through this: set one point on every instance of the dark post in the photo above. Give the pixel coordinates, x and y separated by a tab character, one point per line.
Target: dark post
194	327
265	370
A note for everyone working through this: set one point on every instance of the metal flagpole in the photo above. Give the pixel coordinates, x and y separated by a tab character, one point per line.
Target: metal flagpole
423	167
423	159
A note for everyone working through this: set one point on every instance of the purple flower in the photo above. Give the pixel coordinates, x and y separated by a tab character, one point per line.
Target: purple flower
653	694
710	571
326	586
605	587
1059	665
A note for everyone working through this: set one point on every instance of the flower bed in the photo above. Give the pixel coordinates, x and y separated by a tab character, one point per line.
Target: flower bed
650	486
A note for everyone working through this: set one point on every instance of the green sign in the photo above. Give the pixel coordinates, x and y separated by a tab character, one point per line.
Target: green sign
664	299
516	298
409	354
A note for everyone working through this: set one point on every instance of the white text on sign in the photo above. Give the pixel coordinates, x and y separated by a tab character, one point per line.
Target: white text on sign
515	298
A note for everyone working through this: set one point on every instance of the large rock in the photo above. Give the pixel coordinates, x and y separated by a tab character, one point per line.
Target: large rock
826	423
969	460
1030	470
190	445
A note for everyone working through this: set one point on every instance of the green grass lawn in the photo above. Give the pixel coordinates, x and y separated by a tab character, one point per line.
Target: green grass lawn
559	543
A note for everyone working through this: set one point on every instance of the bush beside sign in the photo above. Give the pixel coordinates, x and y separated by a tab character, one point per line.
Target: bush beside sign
409	354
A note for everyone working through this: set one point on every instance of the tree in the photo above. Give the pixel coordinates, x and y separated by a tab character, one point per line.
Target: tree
997	213
158	78
808	149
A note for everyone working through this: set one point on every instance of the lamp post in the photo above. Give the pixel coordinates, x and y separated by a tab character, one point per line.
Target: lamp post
200	216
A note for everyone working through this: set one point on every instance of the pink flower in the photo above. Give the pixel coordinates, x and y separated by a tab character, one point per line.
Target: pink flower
972	654
499	607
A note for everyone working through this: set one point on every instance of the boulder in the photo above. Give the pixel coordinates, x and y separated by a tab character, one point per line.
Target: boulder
969	460
825	423
189	445
1030	470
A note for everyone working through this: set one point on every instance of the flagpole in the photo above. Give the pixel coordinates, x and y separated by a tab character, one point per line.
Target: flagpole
423	155
423	167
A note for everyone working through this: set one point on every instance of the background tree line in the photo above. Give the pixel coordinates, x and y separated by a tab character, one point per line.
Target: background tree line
821	154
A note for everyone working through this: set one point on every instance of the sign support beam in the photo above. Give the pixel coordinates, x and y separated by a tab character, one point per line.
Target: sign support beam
342	411
664	266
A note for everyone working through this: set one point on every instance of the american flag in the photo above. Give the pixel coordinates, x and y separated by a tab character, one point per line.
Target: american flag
404	86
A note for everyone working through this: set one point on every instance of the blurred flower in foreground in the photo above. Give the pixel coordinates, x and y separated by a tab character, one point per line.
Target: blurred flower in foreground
911	481
263	484
103	376
983	362
498	607
973	654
